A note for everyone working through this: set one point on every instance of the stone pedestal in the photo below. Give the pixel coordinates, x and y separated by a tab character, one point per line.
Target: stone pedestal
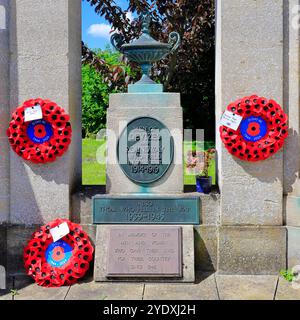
125	107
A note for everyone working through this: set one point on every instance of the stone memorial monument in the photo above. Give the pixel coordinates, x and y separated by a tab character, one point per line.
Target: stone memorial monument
251	227
145	178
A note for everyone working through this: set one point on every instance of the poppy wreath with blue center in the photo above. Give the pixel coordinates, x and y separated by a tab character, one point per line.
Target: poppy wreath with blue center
43	140
262	132
60	263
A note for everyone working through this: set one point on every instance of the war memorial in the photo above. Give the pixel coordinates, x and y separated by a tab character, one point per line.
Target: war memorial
145	229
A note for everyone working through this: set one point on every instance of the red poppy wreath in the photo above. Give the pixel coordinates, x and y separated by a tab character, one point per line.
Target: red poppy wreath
42	140
261	132
54	264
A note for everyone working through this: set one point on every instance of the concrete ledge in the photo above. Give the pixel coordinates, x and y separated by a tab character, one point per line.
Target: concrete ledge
102	248
251	250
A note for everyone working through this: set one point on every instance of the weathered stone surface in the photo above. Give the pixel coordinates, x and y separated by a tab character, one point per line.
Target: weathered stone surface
3	245
26	290
292	211
41	193
246	287
82	203
251	193
4	111
2	277
90	290
164	107
6	293
286	291
204	289
210	208
293	246
291	182
17	237
100	269
206	247
252	250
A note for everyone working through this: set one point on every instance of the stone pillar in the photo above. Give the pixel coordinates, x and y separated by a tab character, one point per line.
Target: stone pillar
4	110
249	61
45	45
292	148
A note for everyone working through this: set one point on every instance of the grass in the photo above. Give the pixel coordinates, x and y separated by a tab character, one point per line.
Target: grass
93	173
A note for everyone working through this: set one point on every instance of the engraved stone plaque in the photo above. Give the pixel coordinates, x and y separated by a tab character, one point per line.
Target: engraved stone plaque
145	252
145	150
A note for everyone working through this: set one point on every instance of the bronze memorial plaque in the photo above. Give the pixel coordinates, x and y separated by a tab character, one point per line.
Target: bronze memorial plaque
145	252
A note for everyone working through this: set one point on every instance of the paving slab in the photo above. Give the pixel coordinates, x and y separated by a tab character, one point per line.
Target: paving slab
90	290
244	287
5	294
286	290
27	290
204	289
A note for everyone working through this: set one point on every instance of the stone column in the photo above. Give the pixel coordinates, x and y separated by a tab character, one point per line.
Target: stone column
45	45
292	148
4	110
249	61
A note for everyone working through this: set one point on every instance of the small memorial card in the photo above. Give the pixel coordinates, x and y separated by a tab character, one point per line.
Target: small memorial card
33	113
60	231
231	120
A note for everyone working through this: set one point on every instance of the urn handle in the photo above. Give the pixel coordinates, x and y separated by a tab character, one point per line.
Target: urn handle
117	41
174	41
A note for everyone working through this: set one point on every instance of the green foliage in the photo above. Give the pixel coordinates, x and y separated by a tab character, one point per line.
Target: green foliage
14	292
94	101
288	275
96	91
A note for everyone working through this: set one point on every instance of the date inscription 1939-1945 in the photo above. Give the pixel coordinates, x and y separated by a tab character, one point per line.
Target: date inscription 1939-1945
146	209
145	150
